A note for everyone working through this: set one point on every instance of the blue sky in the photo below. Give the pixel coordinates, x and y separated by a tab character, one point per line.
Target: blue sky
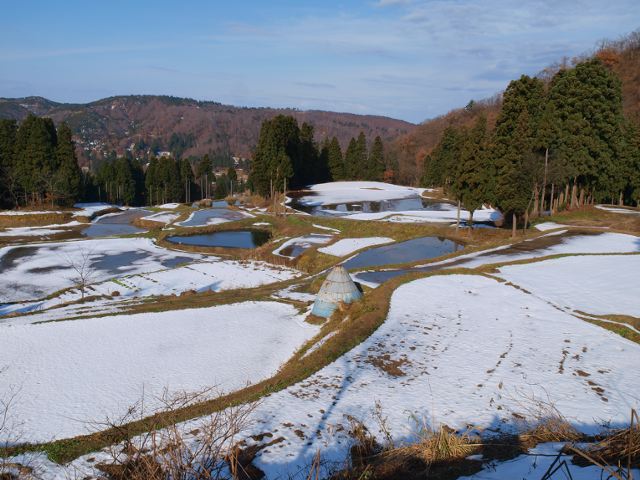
409	59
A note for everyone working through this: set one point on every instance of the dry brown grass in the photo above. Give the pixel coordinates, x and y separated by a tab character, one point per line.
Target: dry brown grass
35	220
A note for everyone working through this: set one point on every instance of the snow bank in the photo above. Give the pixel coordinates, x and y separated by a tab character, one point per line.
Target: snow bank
78	371
544	226
446	214
90	209
627	211
169	206
594	284
38	231
349	245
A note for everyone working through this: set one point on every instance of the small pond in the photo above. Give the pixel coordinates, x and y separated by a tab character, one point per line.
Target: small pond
225	239
297	246
404	252
119	224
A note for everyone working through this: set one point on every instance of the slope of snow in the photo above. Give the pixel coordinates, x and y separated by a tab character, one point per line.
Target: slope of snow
349	245
36	270
343	192
169	206
468	350
72	372
594	284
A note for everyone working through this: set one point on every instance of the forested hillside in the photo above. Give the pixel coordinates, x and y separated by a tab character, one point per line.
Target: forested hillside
146	125
621	57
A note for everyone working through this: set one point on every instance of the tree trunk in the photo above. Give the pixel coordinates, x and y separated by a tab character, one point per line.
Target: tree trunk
544	181
514	220
470	224
621	200
458	217
581	198
526	220
536	194
551	200
566	195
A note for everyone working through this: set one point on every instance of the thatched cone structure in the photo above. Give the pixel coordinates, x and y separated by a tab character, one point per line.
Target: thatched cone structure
337	288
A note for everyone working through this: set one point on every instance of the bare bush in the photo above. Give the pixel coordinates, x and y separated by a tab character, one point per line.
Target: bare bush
202	451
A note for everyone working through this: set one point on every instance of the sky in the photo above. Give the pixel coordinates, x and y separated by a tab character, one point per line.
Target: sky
407	59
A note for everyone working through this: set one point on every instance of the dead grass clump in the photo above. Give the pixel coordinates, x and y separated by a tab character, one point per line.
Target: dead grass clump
617	453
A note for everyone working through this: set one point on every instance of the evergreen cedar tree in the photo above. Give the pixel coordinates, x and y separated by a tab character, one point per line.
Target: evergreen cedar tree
574	125
37	163
287	156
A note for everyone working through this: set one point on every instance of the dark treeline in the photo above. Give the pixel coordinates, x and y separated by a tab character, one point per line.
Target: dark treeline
287	157
126	181
555	145
38	164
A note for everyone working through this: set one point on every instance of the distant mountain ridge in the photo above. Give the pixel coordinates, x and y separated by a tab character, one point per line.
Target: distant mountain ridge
198	127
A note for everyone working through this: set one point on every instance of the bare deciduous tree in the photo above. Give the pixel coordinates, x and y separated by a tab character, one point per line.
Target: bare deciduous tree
83	271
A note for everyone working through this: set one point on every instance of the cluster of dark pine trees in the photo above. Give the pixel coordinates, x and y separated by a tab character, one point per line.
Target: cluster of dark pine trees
38	164
558	144
287	156
123	180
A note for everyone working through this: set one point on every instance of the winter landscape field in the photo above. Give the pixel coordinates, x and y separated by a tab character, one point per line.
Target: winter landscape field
490	338
364	240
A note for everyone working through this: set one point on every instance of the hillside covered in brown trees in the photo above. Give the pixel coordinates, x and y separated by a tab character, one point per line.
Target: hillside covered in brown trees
621	56
185	127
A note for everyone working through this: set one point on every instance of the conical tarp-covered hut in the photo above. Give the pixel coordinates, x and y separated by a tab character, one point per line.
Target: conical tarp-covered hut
337	288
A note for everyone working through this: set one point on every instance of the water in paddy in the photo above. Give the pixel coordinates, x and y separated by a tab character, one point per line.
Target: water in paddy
397	205
228	239
116	224
404	252
295	249
219	211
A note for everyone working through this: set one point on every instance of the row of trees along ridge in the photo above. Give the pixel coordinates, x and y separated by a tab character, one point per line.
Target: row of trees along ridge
288	157
560	144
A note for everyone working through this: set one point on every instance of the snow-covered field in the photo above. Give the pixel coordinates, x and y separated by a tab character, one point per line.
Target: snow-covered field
456	349
349	245
344	192
36	270
212	274
598	285
108	363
